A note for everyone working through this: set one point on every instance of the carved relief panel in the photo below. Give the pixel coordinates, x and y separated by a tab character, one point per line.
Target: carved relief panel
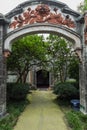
41	13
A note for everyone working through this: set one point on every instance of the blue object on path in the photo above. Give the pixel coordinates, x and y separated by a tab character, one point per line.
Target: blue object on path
75	103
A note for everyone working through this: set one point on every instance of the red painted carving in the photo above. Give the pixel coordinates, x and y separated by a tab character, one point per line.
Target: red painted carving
42	10
14	23
68	22
55	9
41	14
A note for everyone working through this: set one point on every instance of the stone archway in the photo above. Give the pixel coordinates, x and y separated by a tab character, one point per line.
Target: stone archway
36	16
41	76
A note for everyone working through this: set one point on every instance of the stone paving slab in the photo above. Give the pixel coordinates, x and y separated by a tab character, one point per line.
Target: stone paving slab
42	113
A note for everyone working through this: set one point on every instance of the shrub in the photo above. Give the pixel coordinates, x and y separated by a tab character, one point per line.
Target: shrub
14	109
66	90
17	91
74	83
74	121
85	127
80	119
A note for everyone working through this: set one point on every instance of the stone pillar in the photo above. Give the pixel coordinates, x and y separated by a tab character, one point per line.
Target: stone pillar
3	24
51	80
83	69
83	87
34	79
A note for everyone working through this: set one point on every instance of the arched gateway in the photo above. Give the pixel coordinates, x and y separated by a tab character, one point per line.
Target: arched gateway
48	16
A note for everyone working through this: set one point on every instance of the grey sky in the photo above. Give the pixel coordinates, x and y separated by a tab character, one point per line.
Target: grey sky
7	5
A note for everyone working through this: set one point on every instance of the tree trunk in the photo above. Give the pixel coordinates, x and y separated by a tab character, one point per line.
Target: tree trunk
61	76
20	78
25	76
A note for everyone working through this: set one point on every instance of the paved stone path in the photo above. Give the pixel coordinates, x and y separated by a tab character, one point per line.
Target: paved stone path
42	113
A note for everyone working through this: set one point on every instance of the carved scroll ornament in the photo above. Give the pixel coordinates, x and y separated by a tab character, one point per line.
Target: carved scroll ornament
41	14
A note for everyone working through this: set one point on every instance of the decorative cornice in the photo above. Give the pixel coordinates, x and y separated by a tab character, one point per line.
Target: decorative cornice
3	19
67	10
14	12
80	19
64	7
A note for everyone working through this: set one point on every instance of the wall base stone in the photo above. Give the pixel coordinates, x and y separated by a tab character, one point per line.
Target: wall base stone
2	110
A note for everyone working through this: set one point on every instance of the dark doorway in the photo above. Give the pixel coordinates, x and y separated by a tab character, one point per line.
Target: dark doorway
42	79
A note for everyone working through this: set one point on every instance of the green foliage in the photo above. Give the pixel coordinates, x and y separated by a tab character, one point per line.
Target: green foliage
74	121
14	109
82	117
83	6
74	83
17	91
77	120
26	52
54	52
59	52
74	68
65	90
